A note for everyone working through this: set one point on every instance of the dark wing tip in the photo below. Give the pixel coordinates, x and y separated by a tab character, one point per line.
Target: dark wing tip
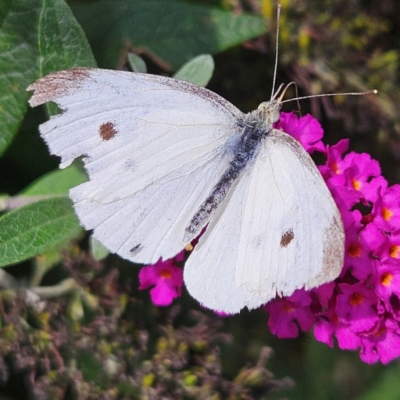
57	84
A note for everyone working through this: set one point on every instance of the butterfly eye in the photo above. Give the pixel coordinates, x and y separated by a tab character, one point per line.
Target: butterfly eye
263	107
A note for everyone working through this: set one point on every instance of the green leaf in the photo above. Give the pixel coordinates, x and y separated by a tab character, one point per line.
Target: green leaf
166	30
19	64
62	42
137	64
35	228
56	182
198	70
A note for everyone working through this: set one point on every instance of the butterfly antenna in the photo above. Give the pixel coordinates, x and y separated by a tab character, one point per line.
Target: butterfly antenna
331	94
278	16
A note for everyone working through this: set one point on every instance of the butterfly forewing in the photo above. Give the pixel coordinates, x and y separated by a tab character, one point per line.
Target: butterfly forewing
153	146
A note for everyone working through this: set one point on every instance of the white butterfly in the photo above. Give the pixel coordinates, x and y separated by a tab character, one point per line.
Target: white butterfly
166	157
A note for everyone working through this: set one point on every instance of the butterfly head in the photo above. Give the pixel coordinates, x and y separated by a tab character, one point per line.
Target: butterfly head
269	111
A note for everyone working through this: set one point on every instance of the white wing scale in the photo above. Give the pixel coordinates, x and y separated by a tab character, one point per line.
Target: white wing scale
278	231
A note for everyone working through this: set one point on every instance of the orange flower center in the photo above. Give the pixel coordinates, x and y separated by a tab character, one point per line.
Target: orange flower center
335	168
354	250
356	184
386	214
356	299
166	274
386	278
394	251
381	331
288	308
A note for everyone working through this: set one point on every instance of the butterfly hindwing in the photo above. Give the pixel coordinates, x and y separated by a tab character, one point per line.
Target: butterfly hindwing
279	230
297	237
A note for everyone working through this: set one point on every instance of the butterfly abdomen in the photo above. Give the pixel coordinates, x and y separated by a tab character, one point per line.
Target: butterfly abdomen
243	152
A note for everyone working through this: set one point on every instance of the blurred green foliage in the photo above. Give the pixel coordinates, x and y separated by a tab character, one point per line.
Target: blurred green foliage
73	327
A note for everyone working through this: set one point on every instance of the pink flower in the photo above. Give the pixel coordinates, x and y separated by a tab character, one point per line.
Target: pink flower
386	209
329	325
286	315
388	248
382	344
386	282
167	279
356	176
356	305
334	159
307	130
358	171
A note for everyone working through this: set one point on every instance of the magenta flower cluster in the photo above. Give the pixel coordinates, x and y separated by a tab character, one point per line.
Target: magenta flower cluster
361	308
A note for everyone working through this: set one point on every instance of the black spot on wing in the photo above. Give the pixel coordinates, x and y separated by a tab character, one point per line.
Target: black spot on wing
135	248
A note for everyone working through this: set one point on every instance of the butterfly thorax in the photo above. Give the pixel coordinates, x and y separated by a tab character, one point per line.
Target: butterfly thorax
254	126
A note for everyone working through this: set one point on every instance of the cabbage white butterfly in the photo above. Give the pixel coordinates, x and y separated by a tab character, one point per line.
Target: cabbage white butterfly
166	157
